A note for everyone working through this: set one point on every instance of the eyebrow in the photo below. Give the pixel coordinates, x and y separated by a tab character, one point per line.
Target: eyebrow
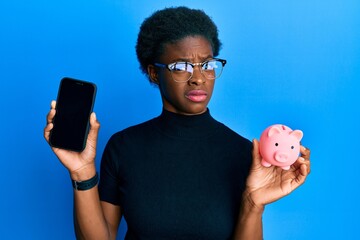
188	60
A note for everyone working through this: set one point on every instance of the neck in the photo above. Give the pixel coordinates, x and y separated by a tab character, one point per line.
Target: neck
187	126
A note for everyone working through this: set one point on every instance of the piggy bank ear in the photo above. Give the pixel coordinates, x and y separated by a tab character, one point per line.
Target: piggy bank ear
274	130
297	133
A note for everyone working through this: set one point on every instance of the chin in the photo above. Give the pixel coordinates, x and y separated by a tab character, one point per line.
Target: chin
187	109
194	111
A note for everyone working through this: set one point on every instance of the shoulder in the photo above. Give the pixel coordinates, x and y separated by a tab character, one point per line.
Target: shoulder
234	143
127	141
233	136
133	133
236	148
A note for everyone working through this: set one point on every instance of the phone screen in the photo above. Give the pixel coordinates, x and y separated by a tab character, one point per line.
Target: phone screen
74	105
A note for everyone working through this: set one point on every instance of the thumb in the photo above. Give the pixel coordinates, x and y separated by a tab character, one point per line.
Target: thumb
94	129
256	153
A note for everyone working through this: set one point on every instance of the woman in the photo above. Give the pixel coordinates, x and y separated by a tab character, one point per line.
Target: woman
181	175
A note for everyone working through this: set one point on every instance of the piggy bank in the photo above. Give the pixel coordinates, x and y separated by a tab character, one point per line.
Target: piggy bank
280	146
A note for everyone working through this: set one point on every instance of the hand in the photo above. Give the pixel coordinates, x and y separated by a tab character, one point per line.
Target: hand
268	184
81	165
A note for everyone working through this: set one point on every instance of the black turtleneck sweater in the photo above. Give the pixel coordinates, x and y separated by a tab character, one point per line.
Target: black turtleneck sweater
176	177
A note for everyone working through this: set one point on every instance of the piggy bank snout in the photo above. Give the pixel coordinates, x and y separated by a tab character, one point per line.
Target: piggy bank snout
281	156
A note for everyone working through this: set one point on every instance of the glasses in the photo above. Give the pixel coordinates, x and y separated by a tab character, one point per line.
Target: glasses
183	71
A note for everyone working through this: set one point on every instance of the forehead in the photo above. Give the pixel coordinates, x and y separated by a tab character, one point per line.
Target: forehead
191	48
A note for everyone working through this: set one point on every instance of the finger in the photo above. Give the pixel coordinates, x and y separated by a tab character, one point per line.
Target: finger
47	131
49	120
256	153
94	128
305	152
301	177
50	116
305	155
53	104
302	161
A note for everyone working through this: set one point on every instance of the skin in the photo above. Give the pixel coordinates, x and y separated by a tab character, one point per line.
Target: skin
174	94
266	185
95	219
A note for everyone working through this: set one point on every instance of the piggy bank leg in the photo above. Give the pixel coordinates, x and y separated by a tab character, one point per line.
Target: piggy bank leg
265	163
286	167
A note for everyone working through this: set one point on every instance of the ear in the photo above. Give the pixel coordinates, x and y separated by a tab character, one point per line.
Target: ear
297	133
153	75
274	130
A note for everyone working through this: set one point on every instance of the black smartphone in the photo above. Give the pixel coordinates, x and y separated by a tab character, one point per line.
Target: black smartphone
74	104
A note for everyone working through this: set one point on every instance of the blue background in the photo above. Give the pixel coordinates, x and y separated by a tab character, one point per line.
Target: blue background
290	62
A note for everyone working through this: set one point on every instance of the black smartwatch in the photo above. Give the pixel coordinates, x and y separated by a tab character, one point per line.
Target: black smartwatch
87	184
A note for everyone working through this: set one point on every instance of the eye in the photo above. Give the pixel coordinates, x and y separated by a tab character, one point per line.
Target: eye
181	67
178	67
292	147
276	144
210	65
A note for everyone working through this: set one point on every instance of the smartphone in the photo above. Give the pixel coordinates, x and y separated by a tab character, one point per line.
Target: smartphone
74	104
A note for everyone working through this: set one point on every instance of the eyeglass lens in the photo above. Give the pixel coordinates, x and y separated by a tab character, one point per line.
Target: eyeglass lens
183	71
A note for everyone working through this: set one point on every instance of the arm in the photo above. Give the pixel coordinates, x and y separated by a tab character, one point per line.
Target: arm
89	219
92	219
249	224
101	222
266	185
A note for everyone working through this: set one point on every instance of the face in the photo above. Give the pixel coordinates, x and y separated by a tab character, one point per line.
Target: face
193	96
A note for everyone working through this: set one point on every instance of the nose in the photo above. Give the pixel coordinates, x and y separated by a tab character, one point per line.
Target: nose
197	77
281	156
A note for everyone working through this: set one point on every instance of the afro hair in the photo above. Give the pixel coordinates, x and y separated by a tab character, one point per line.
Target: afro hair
169	26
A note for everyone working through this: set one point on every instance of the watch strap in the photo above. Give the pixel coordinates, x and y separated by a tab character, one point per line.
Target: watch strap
87	184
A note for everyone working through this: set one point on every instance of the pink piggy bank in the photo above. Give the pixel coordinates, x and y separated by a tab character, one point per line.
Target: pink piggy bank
280	146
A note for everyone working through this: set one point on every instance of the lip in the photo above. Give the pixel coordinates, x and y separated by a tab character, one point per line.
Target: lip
196	95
